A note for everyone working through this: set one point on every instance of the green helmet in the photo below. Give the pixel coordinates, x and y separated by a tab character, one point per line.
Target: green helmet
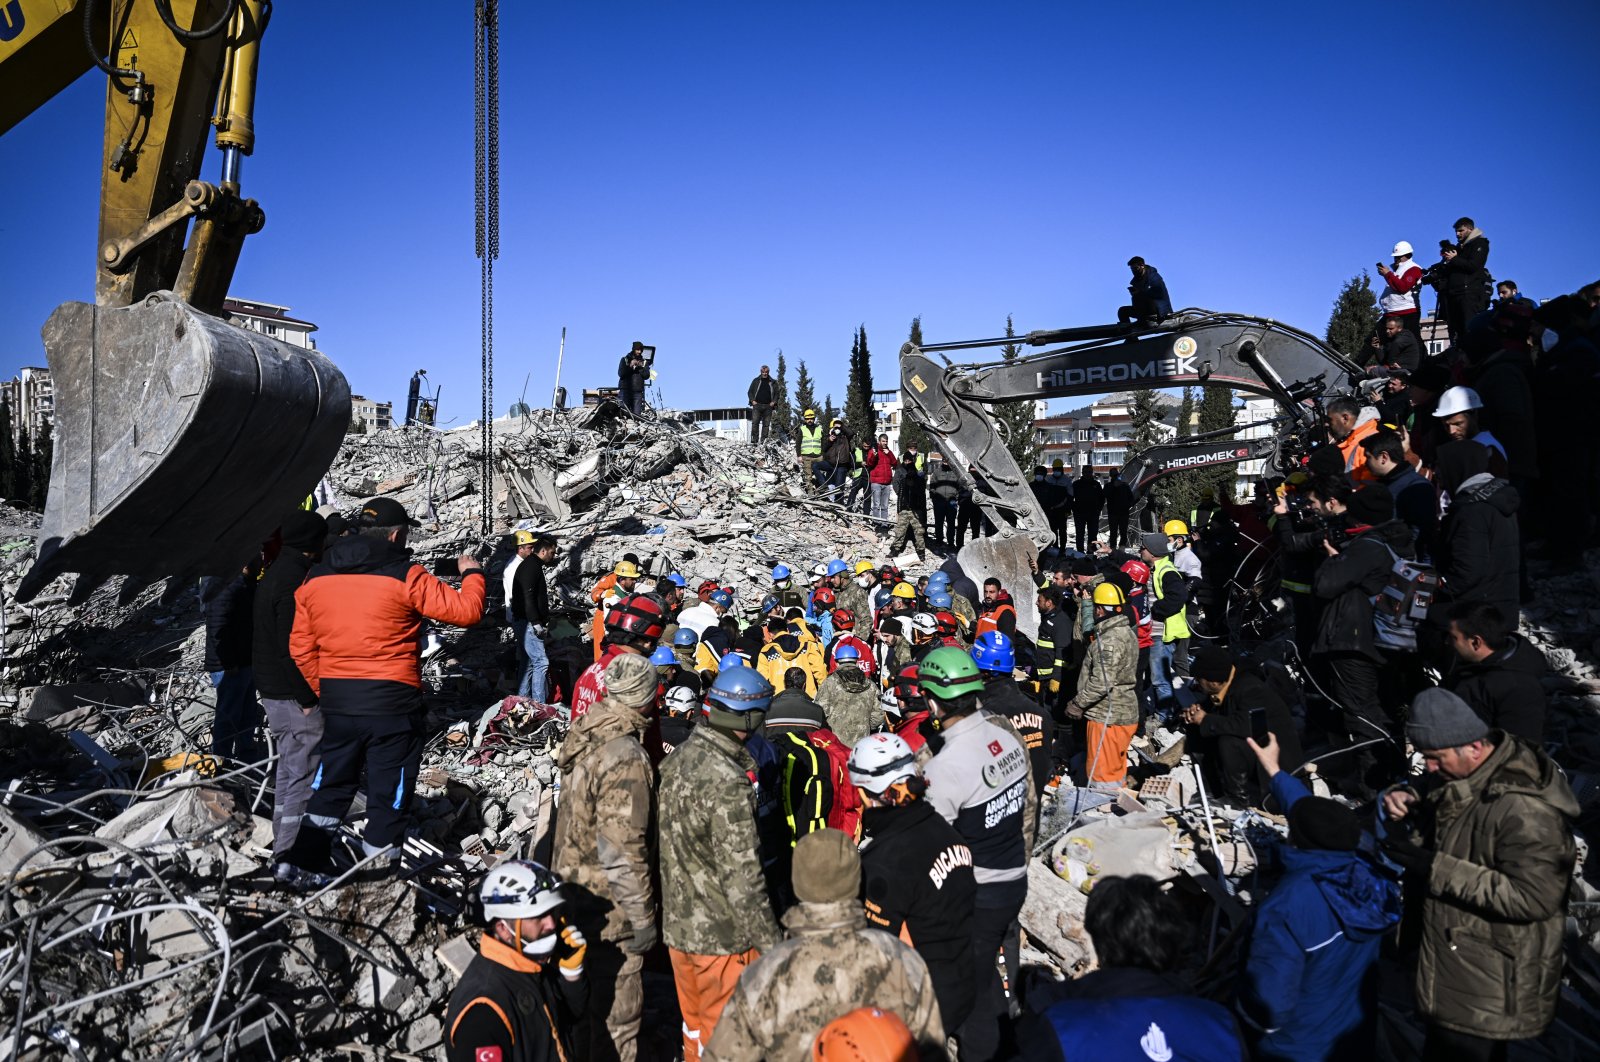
948	673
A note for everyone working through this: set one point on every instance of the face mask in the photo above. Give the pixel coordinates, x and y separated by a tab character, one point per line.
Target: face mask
864	581
536	949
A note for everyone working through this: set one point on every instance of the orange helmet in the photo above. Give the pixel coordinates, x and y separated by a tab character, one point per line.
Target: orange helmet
844	619
865	1035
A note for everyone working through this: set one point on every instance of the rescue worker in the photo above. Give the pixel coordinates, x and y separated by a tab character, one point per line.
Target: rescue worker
633	625
1347	435
831	964
996	659
964	608
622	579
1180	547
911	509
844	633
808	448
715	914
851	592
813	762
978	780
356	639
891	649
287	699
784	589
1168	615
999	613
707	614
530	613
907	713
682	708
791	648
916	871
1107	696
1138	573
604	853
849	698
511	1005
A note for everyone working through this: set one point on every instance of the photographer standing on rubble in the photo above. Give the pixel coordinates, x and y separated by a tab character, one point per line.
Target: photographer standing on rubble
358	622
632	373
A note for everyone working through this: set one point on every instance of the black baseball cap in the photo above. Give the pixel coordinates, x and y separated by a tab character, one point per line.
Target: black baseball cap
386	512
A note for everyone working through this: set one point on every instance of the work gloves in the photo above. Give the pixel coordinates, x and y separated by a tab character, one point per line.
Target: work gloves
644	938
575	947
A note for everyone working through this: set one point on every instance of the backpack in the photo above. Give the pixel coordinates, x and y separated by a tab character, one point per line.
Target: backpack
1402	605
846	811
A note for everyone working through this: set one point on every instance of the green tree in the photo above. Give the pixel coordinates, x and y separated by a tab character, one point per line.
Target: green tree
1016	415
858	414
782	412
1217	411
912	433
22	468
805	397
1354	320
1178	492
43	454
8	453
830	412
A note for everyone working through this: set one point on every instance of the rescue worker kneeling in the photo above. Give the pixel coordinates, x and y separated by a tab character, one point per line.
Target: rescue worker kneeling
510	1005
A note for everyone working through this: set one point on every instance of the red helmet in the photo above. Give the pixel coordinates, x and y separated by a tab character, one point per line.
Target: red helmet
1138	571
823	598
908	684
703	591
947	622
844	619
639	616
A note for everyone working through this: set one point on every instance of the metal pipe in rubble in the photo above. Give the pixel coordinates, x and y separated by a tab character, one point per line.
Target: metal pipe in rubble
561	352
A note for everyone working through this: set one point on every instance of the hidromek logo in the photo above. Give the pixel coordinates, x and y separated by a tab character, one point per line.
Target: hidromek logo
1119	372
1231	453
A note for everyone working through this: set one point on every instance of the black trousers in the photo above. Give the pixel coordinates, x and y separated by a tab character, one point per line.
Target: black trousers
1354	682
997	909
761	423
1446	1045
1086	520
1118	533
390	748
944	519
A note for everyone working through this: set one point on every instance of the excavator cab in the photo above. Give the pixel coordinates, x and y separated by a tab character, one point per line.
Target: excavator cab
181	440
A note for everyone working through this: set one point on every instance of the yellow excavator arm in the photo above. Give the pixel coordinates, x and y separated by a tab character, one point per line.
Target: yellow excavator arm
181	441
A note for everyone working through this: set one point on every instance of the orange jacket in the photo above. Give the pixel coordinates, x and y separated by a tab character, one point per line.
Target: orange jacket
359	616
598	595
1355	455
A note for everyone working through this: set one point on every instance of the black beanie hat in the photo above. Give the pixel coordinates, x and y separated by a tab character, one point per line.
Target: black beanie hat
1084	566
1326	461
1457	462
1211	663
304	530
1321	823
1372	504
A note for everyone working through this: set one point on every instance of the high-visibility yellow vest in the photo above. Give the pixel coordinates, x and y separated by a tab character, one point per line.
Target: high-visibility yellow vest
1176	625
810	440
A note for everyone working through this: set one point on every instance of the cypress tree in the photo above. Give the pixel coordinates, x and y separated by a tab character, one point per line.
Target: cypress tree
911	429
859	418
805	397
22	468
1354	320
8	453
782	412
1017	414
43	452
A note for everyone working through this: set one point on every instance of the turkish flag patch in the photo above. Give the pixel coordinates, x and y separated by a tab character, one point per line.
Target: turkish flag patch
994	748
487	1054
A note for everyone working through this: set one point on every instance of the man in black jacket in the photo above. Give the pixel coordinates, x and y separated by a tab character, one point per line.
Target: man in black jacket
1497	673
1221	721
1119	499
1466	278
911	482
1347	581
227	603
1087	499
763	397
530	614
631	375
286	696
1416	501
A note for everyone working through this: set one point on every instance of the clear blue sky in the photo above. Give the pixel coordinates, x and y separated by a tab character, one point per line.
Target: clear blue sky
727	179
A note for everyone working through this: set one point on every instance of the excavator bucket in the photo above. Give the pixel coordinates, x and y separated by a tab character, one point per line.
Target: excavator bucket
1009	557
181	441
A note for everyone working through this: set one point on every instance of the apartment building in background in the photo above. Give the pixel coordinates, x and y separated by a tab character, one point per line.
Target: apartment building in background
32	398
270	319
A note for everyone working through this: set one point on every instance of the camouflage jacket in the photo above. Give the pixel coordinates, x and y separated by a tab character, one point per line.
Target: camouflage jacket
713	895
849	701
605	827
855	599
832	963
1106	686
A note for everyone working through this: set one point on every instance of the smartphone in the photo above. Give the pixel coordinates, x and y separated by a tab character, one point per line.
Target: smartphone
1258	725
445	567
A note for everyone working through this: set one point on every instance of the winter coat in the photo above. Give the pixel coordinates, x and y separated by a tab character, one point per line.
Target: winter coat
530	600
1119	1013
1107	685
1401	349
1228	724
606	824
629	378
917	884
978	780
1416	502
1149	292
1311	982
849	700
763	390
1002	697
838	450
510	1007
1119	496
790	650
1490	962
1508	410
358	624
944	483
228	604
1349	581
831	964
1505	689
276	676
713	894
1477	551
1088	496
913	497
880	465
1466	273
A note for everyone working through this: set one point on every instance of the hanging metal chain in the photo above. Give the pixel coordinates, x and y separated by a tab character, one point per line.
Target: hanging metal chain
486	156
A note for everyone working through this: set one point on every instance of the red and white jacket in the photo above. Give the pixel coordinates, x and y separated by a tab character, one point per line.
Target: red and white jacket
1400	292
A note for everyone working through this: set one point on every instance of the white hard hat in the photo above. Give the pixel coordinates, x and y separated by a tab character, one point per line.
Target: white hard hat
880	760
1401	248
681	700
519	888
925	623
1457	400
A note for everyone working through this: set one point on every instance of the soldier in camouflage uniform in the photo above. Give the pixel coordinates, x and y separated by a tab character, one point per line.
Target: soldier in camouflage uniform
832	963
1107	695
849	698
603	850
850	594
715	915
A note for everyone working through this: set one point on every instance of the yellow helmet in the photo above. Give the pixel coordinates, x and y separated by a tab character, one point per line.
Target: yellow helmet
626	570
903	591
863	567
810	414
837	423
1109	594
1175	527
524	538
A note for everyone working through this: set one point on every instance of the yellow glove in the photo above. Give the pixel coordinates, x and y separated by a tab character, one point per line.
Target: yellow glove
575	947
1055	685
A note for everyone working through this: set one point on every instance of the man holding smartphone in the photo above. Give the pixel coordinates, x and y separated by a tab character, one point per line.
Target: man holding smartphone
1236	705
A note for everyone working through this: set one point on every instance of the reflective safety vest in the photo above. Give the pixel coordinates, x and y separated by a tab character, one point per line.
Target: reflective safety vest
1176	625
990	621
810	440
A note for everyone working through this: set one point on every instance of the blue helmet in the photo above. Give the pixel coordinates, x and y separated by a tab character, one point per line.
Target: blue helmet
730	660
663	656
847	652
780	572
720	597
741	689
677	580
993	652
940	598
685	636
768	603
939	580
838	567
